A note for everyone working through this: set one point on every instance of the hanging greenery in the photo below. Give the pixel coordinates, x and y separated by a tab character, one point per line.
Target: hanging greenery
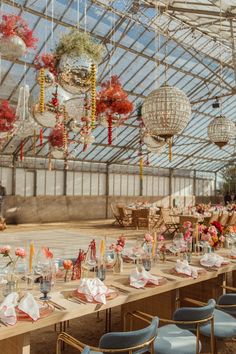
76	43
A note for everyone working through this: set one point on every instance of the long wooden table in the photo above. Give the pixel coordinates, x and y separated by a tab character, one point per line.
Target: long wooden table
161	300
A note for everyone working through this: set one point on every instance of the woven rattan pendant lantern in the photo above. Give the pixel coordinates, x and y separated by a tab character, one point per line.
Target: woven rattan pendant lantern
221	130
166	111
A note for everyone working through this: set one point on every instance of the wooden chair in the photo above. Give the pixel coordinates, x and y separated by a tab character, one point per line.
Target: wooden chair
116	215
214	217
232	219
142	218
223	219
126	219
171	222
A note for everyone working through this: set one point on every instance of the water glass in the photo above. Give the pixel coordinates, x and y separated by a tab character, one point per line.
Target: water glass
45	287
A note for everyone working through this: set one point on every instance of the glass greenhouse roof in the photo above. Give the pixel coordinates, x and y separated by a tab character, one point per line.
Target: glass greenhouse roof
189	43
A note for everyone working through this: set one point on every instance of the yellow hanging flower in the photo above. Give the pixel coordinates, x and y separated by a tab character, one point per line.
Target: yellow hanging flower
93	95
170	149
42	89
141	168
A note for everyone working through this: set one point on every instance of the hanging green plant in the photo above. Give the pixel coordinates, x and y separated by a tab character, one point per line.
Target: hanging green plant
77	43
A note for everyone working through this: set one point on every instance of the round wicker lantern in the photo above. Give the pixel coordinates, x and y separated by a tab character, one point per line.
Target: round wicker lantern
221	130
166	111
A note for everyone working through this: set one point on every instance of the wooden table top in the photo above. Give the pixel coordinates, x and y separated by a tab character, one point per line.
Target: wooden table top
74	310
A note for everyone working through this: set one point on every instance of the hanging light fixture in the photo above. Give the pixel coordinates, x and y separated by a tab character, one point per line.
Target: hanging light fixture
221	130
166	111
154	145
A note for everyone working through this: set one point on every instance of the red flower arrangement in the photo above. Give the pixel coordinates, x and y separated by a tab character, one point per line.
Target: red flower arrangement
218	226
7	117
56	137
113	102
46	61
12	25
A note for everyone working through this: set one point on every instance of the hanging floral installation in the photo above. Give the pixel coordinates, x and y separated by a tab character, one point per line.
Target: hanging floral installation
45	66
7	117
56	137
113	105
16	36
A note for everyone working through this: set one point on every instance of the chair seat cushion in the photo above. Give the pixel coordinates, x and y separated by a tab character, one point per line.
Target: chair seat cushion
224	325
172	339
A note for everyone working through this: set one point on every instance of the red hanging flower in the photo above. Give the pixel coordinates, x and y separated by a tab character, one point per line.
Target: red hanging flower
56	137
113	102
7	117
46	61
15	25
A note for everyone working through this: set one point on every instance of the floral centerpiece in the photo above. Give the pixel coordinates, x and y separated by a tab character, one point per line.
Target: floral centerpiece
212	234
16	36
77	266
113	105
147	244
7	117
117	249
19	252
67	265
188	231
202	208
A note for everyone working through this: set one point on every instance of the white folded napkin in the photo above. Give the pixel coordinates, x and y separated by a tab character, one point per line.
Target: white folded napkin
7	309
94	290
29	306
138	279
183	267
212	260
233	252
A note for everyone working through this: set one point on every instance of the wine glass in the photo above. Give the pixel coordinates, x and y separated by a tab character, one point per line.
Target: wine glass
147	264
101	273
45	287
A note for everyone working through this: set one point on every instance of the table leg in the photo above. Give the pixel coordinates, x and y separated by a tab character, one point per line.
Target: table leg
16	345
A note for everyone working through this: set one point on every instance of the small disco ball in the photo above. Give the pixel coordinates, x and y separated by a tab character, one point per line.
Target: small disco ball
12	47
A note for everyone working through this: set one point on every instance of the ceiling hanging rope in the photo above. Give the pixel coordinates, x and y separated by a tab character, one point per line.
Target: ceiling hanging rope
221	129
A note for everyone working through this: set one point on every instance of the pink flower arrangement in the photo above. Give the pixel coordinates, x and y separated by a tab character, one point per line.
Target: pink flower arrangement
161	238
120	244
20	252
68	265
148	238
47	253
5	250
187	225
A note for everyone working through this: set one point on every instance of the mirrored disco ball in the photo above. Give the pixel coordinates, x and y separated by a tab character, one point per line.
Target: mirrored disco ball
12	47
74	73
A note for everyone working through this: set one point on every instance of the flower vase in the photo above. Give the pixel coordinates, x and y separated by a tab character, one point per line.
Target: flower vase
118	266
12	284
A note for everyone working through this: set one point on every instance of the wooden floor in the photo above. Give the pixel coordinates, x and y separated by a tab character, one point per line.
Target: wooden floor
65	238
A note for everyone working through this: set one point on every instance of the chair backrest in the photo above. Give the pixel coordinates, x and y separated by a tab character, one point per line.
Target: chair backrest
224	218
113	209
121	211
227	299
232	219
86	350
144	213
214	217
131	340
165	213
195	313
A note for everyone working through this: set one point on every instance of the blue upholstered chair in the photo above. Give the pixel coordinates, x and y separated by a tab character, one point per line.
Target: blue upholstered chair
224	323
130	342
177	337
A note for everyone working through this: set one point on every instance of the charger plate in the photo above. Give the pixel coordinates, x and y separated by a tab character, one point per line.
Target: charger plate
45	310
110	296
